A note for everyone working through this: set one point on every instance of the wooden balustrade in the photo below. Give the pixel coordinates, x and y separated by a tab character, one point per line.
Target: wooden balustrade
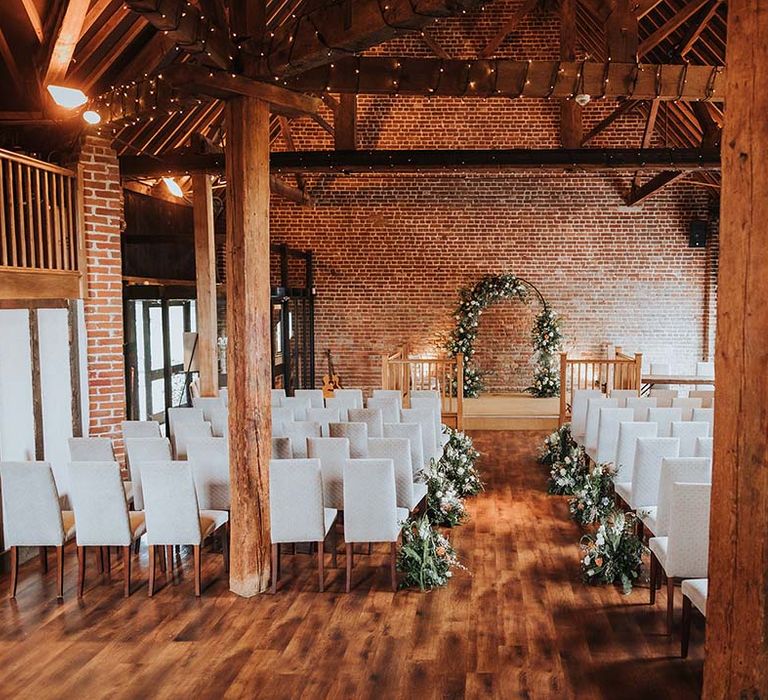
40	225
442	374
619	372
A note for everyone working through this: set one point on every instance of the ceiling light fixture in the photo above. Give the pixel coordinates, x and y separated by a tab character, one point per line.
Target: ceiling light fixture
69	98
92	116
173	187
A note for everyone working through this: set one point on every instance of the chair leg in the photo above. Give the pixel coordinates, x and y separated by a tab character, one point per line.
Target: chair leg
685	630
225	547
169	558
44	559
100	558
349	566
14	570
670	602
127	570
137	546
654	574
60	570
107	560
393	565
151	570
320	564
198	571
275	566
161	554
81	553
334	546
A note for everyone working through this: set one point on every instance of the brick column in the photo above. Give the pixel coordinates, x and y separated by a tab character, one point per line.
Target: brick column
103	199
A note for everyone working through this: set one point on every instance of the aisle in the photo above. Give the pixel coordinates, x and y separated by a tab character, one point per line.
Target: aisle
521	625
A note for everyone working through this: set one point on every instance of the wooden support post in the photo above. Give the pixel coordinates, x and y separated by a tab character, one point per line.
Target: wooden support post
345	123
571	128
563	402
205	276
248	324
736	663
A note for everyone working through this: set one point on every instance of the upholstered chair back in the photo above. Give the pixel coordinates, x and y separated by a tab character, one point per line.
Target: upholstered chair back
31	513
389	407
389	394
640	405
399	451
688	432
333	452
140	450
299	406
282	417
704	447
593	419
372	417
706	415
338	405
170	503
707	396
296	501
281	448
219	421
370	501
608	432
686	405
277	396
647	471
626	446
412	433
224	395
209	458
664	397
98	498
581	398
315	396
323	416
688	534
207	404
425	417
91	449
298	432
689	470
141	429
356	433
664	417
349	398
428	402
190	431
622	395
183	414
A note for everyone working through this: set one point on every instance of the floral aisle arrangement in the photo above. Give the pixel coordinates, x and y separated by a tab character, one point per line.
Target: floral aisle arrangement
566	460
547	337
458	463
593	496
557	445
444	504
614	554
426	558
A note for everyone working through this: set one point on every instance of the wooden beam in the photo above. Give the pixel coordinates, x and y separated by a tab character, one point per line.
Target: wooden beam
334	31
696	30
391	75
345	123
205	277
645	6
645	142
654	185
604	123
65	37
571	127
34	19
621	31
736	664
290	144
508	27
670	26
250	350
433	44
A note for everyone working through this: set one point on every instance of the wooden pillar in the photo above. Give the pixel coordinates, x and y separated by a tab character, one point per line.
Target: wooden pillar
345	123
205	273
736	663
571	129
249	347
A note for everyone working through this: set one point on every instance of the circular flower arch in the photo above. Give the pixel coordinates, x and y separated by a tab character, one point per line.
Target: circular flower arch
545	334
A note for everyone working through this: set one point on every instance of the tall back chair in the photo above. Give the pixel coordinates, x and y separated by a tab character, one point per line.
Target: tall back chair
608	432
338	405
593	419
389	394
190	431
219	419
706	415
356	433
704	447
103	519
626	450
370	509
429	402
647	471
707	396
315	396
298	432
664	417
323	416
281	448
389	407
207	404
333	453
412	433
209	458
298	404
409	494
622	395
173	516
351	398
296	509
282	417
224	395
688	432
141	429
140	450
183	414
32	516
640	405
689	470
91	449
580	400
277	396
425	417
372	417
686	405
664	397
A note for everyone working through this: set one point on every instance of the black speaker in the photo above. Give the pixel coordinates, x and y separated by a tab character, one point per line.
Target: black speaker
697	234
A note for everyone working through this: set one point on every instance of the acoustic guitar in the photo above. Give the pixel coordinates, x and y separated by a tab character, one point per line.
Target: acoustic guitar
331	381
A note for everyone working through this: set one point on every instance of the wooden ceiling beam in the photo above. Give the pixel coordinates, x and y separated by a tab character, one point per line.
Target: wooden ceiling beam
67	31
571	126
695	33
433	45
621	31
670	26
34	19
645	6
603	124
654	186
508	27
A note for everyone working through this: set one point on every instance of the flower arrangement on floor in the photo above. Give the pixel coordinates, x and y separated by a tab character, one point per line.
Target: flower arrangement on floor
458	463
426	557
557	445
546	333
614	554
444	504
567	461
593	496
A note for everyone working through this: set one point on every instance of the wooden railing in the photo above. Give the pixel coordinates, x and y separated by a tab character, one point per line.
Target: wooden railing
442	374
619	372
40	225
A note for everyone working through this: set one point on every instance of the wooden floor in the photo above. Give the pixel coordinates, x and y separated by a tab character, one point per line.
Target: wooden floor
520	625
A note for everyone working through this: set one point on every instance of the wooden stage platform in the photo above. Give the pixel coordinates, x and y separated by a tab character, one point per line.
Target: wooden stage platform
510	412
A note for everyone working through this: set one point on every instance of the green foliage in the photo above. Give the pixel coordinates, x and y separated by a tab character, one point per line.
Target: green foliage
426	557
458	463
593	496
444	505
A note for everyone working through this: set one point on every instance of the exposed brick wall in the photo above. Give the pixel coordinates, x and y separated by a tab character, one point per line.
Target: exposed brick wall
104	302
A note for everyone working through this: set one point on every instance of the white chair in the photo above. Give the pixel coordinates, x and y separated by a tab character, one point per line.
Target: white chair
298	432
664	397
32	516
277	395
412	433
705	414
315	396
224	395
296	510
704	447
220	422
436	396
323	416
298	404
102	515
593	419
694	592
622	395
626	449
370	509
429	403
390	394
338	405
182	414
282	417
356	433
140	450
706	370
409	493
207	404
372	417
664	417
209	458
579	410
91	449
640	405
141	429
333	452
688	432
690	470
173	517
189	431
647	470
608	433
348	398
686	405
281	448
425	417
707	396
683	553
389	407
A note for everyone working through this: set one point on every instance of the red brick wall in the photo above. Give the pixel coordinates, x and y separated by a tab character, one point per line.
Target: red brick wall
104	302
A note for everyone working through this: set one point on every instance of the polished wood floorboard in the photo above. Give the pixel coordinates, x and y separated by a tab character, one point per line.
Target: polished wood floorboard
520	624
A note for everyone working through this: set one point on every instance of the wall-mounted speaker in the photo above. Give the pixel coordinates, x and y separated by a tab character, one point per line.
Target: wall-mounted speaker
697	234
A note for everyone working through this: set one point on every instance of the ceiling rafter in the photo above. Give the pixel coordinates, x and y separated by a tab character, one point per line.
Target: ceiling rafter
63	40
34	19
670	26
508	27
